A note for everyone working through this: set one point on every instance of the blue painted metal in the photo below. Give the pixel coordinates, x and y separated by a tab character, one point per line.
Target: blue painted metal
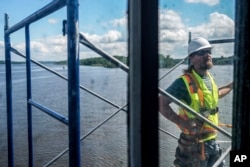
73	85
9	95
145	35
29	95
125	68
46	10
73	80
48	111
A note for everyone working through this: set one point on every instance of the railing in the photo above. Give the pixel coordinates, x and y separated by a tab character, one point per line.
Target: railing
115	61
90	45
73	87
73	120
73	82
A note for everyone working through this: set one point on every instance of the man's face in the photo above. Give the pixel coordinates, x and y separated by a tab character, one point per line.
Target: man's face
203	59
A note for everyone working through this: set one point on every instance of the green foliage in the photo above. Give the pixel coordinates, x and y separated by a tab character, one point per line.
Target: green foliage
164	61
100	61
223	61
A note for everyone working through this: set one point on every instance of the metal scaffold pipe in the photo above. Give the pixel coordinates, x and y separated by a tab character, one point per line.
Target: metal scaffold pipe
124	67
46	10
65	78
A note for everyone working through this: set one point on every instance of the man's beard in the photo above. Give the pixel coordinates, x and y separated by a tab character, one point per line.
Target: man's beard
206	65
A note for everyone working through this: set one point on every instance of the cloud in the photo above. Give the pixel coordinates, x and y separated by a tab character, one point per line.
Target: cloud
112	43
46	49
173	33
218	26
170	19
122	22
207	2
173	38
171	27
112	49
110	37
52	21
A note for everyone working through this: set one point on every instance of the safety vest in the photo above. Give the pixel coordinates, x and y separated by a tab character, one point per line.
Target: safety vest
203	101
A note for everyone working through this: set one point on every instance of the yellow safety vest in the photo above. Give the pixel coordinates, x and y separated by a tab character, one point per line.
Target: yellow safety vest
202	99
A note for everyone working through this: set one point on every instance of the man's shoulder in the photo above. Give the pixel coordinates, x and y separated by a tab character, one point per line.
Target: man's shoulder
179	90
177	84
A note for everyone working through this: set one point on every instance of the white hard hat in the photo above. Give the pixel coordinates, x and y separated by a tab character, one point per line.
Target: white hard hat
197	44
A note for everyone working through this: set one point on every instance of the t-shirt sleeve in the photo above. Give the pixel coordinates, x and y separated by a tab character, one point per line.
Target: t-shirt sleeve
179	90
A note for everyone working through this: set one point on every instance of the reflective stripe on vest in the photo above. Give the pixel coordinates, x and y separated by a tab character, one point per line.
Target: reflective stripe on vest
201	98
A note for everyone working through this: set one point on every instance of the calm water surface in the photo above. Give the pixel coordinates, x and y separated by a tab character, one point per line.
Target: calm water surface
107	146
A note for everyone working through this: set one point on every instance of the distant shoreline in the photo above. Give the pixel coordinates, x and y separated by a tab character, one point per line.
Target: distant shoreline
164	62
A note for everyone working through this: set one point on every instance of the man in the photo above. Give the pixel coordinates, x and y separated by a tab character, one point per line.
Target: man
196	88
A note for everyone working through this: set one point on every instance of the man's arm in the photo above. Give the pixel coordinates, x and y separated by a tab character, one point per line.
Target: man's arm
224	90
167	111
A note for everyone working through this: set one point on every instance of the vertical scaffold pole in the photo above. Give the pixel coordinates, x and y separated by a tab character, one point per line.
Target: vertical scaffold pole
29	107
9	94
73	83
241	108
143	83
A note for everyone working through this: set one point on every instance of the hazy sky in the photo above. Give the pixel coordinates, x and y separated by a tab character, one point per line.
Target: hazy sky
104	22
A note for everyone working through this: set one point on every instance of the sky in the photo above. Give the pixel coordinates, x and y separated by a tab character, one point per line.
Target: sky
104	23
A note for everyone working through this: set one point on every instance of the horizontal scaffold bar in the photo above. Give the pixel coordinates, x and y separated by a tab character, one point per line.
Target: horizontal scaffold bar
46	10
216	41
50	112
124	67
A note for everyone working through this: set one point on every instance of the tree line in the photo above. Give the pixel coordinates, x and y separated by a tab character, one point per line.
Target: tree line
164	61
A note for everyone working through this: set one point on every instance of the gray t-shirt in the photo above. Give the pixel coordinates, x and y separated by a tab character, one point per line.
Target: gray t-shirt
179	90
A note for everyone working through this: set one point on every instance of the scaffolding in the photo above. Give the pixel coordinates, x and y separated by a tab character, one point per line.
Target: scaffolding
143	83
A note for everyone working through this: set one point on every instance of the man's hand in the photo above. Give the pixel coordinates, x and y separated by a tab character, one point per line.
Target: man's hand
193	125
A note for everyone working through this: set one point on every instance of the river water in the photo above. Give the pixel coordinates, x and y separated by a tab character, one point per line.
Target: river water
105	147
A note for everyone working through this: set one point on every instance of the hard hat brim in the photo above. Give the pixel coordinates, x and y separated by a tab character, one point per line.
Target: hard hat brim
200	48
